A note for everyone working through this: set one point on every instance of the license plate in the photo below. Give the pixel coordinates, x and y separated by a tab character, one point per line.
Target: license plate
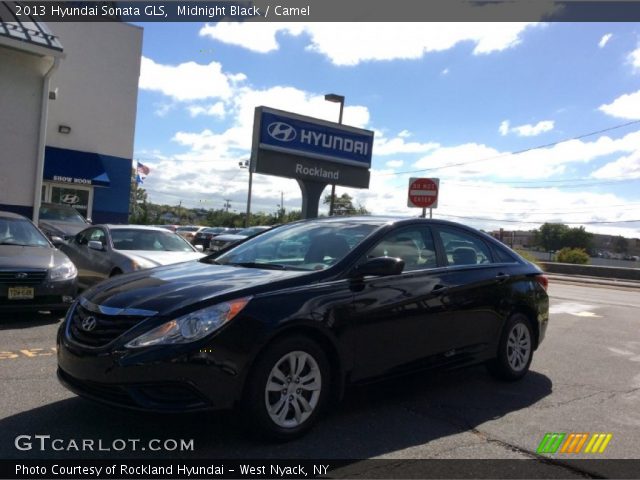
20	293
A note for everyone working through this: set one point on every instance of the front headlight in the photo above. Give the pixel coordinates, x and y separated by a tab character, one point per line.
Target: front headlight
191	327
65	271
140	264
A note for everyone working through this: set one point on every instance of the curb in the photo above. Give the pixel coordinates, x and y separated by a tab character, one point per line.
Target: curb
582	280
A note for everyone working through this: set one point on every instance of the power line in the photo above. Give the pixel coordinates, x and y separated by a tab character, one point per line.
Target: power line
517	152
505	220
579	185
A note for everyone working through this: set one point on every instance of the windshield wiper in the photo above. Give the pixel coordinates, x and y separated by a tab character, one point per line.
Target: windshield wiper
271	266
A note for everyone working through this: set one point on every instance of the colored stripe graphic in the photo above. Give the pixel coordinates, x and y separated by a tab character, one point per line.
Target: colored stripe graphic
598	443
550	442
574	442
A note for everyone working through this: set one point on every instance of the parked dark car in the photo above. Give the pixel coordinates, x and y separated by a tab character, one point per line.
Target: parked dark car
227	239
34	275
103	251
286	319
203	237
60	221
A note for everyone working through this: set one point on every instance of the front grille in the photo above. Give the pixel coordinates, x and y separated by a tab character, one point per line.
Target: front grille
107	327
22	277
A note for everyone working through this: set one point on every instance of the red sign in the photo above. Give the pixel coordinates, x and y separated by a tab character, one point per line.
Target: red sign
423	192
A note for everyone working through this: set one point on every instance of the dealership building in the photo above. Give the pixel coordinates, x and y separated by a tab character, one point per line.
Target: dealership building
68	96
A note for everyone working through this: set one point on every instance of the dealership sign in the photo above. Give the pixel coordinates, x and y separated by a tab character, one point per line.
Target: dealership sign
306	148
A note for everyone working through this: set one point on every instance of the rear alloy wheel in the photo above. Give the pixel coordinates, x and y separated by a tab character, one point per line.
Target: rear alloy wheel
288	388
515	351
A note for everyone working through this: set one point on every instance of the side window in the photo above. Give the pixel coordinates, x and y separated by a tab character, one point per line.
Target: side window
96	235
414	245
463	248
81	238
503	256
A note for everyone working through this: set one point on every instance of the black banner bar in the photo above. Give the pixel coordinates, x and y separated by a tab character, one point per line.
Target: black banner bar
323	11
290	469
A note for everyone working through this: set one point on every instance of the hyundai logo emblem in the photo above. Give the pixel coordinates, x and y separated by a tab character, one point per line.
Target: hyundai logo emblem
281	131
70	198
88	323
21	275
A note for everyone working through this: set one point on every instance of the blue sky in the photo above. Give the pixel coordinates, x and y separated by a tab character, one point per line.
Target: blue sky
436	95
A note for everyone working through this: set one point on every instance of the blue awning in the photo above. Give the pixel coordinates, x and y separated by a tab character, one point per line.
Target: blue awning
74	167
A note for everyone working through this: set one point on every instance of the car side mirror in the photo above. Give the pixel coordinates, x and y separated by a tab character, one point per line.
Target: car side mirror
57	241
89	221
379	267
95	245
199	248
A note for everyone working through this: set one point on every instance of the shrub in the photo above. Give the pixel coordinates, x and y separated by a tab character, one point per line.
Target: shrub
573	255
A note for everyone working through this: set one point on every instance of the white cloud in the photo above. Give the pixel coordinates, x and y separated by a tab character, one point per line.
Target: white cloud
628	167
394	146
353	43
604	40
445	71
504	127
187	81
404	134
634	58
394	163
534	130
625	106
483	161
215	110
527	130
257	37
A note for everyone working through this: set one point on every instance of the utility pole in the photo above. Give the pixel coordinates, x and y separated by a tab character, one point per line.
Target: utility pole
332	97
180	211
227	205
281	206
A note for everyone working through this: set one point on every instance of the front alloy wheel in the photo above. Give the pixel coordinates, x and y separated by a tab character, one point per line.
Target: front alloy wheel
287	388
293	389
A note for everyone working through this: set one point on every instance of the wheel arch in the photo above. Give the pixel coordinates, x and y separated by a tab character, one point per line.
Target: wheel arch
532	316
323	339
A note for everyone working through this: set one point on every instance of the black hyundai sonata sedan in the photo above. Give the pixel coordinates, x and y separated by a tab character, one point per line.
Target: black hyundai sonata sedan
283	322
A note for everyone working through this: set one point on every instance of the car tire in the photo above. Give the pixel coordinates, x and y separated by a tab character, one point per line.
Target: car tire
284	404
515	350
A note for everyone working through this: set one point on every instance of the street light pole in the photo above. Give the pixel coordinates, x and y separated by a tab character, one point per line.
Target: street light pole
332	97
246	164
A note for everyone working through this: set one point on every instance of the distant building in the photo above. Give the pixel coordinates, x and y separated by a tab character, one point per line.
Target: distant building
70	104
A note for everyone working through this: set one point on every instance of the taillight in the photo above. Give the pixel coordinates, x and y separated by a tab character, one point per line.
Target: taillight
543	281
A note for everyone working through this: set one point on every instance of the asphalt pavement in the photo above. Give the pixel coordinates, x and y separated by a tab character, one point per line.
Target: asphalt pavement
585	377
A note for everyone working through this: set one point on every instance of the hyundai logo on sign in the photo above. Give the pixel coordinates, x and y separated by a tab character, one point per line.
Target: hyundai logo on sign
314	138
70	198
282	131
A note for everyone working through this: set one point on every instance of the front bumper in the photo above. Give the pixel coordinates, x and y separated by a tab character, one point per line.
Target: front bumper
47	296
161	379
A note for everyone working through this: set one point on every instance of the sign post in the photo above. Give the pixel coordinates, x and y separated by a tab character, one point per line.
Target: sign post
423	193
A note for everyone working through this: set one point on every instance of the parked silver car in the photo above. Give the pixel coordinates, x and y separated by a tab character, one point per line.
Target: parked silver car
102	251
34	275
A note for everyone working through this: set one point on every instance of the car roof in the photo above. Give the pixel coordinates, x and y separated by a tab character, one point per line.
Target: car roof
132	227
5	214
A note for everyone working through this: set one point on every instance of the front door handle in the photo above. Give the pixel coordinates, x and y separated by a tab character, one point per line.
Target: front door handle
439	288
502	277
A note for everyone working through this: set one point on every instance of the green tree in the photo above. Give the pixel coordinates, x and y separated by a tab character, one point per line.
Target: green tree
549	236
577	237
620	244
343	205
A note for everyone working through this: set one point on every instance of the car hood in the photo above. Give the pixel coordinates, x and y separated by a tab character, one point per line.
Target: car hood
17	257
185	286
160	258
67	229
230	237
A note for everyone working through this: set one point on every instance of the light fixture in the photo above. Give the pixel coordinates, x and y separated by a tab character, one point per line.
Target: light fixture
64	129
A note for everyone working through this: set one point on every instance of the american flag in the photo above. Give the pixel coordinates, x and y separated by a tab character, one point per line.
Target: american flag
143	169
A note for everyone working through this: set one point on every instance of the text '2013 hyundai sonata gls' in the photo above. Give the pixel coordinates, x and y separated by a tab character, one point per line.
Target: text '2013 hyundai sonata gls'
284	320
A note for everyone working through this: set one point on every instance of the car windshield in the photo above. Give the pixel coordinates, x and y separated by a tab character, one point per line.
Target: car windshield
61	214
302	246
149	240
16	231
187	229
